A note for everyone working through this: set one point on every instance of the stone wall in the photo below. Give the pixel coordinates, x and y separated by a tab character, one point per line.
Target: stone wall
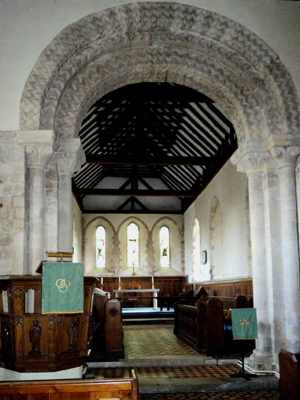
12	210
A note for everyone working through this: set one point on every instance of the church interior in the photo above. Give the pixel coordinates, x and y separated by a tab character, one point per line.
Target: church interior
149	187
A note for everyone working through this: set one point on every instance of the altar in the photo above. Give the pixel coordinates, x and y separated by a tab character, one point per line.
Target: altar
153	291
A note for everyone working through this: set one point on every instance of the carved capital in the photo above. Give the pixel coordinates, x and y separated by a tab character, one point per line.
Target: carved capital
70	156
38	146
38	155
285	156
254	162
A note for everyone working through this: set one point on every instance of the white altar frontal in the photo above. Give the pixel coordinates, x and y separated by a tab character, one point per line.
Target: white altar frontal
154	291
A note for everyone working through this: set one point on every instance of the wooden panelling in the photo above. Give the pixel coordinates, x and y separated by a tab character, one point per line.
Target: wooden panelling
172	285
228	288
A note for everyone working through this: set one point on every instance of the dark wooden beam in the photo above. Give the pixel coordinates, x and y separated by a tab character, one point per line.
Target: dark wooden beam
136	192
169	160
101	211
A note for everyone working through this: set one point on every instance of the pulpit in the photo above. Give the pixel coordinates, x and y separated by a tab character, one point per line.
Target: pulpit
35	342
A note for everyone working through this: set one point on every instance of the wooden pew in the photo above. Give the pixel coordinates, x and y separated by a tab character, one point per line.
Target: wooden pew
202	326
289	368
107	336
120	388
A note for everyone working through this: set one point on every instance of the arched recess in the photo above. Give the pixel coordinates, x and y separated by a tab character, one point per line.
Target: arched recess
144	267
200	269
167	42
216	240
176	247
89	247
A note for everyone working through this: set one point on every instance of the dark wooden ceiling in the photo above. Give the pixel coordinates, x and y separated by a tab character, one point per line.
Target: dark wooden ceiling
150	148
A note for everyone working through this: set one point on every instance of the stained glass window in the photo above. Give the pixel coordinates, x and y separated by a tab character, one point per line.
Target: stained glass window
100	247
164	239
133	250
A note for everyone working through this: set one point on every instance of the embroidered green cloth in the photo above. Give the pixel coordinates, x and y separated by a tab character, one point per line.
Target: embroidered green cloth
244	323
62	287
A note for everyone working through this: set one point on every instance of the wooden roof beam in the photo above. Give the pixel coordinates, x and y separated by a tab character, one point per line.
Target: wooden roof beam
134	193
169	160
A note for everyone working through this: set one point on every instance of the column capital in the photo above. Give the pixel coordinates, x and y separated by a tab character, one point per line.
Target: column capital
285	156
253	162
69	155
38	146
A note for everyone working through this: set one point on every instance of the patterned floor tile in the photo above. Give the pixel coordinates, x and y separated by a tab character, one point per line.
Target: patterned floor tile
153	342
241	395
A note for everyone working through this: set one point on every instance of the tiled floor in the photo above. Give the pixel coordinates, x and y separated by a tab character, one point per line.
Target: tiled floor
239	395
168	369
142	341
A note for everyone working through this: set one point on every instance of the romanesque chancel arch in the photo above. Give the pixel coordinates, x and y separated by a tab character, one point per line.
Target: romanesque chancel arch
172	42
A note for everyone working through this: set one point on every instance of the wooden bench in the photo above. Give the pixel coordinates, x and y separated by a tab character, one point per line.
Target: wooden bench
202	326
120	388
107	337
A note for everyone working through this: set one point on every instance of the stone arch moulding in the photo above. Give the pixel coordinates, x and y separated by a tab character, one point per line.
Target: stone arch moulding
100	219
168	42
163	219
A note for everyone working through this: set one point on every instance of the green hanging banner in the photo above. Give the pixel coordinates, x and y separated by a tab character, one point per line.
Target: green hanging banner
244	323
62	287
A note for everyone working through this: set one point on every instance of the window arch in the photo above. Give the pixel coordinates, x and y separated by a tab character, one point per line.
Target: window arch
133	246
100	247
164	242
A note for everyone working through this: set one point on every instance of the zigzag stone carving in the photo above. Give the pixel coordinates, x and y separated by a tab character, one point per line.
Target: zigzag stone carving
161	42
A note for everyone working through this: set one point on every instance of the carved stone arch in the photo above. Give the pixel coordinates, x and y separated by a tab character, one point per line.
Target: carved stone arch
216	238
180	231
169	42
103	219
133	219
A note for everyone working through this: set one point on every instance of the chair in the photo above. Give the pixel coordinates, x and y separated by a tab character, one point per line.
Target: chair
133	299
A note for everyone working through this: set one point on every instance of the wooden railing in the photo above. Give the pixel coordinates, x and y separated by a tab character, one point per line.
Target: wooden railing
120	388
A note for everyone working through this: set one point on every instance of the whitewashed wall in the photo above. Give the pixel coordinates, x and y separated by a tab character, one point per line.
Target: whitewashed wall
149	226
230	189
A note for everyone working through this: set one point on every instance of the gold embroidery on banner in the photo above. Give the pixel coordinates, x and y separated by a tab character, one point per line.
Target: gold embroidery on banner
63	285
245	322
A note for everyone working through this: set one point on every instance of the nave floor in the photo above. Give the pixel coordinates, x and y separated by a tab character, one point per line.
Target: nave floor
168	369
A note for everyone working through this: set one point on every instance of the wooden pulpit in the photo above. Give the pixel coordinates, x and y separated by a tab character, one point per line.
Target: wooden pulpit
36	342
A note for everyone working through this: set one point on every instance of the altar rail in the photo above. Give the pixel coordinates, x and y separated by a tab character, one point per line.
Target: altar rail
120	388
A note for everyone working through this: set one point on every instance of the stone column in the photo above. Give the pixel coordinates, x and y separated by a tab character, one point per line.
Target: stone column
254	164
286	159
70	157
39	152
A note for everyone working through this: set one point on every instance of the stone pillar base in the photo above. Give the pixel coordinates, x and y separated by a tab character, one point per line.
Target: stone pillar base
261	362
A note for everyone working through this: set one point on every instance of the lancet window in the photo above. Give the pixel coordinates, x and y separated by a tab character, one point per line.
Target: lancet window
100	247
133	246
164	240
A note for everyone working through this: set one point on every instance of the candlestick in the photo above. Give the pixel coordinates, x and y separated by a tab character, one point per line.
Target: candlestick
101	281
119	283
152	280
